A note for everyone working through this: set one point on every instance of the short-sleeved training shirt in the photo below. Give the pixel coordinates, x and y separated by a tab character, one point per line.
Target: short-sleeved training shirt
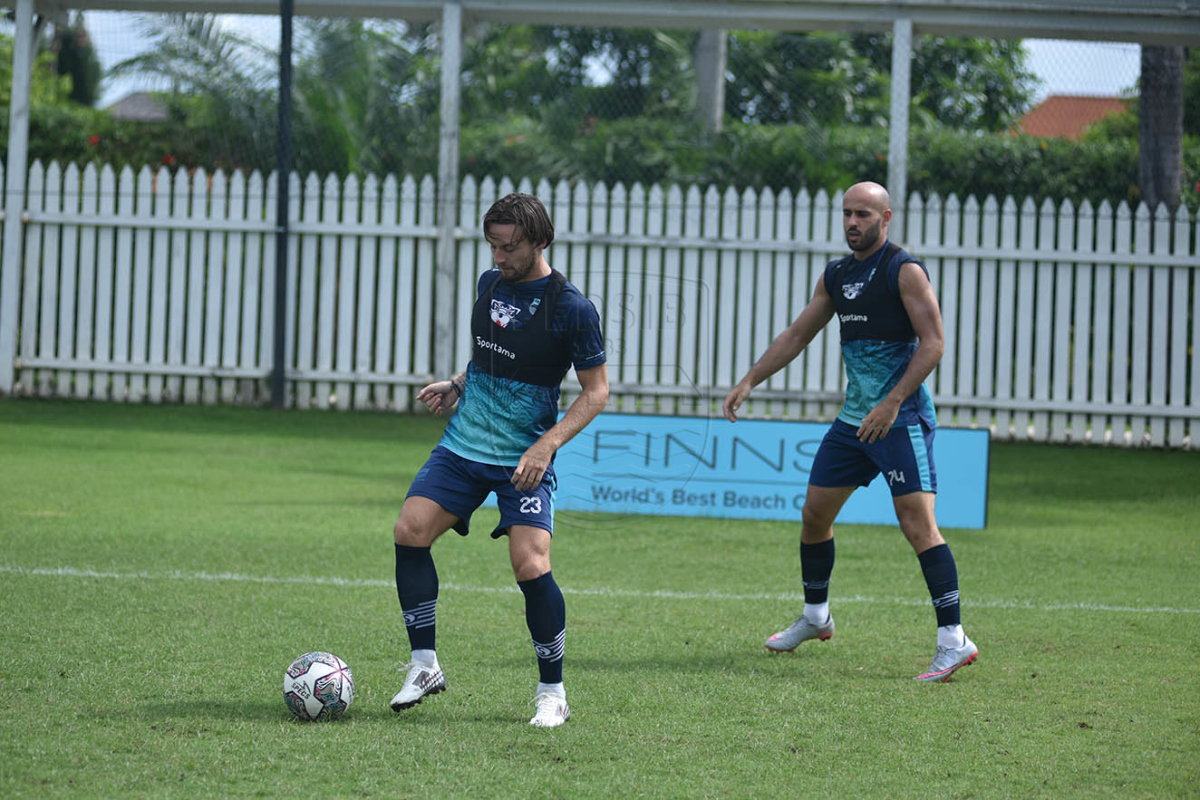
498	418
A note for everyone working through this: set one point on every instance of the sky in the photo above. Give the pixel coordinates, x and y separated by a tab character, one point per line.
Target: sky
1063	67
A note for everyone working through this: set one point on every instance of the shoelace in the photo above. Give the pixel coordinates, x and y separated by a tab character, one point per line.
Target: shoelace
549	696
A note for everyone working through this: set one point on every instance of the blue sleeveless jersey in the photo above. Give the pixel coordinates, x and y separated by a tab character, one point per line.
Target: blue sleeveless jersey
878	340
499	416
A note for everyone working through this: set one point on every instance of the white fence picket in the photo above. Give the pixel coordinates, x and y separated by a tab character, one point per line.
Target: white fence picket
1026	321
1194	426
781	267
306	317
51	264
656	287
327	287
808	269
827	343
634	294
385	295
365	321
473	260
691	296
68	279
1160	322
726	291
986	239
237	284
1140	355
422	363
1044	316
612	312
666	217
1121	320
256	347
30	286
178	265
143	303
1180	277
347	283
1102	325
193	343
85	307
102	383
942	224
710	343
1081	306
1006	316
969	308
753	287
1060	344
406	291
211	266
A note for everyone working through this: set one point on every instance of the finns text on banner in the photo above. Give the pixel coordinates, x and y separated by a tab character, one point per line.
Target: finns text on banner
752	469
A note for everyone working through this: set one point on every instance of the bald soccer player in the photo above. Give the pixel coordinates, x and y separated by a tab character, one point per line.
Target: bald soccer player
891	334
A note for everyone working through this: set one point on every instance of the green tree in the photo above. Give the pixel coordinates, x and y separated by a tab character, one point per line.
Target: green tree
77	59
47	86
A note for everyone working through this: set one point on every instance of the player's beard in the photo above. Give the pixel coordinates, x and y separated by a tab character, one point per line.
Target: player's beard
866	238
515	272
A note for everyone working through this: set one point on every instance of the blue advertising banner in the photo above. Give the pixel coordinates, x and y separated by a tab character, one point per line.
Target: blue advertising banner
754	469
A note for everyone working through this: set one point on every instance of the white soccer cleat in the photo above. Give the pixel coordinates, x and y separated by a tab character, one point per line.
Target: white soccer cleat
948	660
418	683
552	710
799	631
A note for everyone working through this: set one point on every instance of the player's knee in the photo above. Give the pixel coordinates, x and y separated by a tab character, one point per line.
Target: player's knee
815	520
408	534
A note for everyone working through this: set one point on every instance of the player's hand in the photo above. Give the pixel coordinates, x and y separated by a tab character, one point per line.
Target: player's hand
439	396
876	425
532	466
734	400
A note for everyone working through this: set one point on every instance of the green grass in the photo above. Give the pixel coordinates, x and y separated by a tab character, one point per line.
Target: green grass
159	571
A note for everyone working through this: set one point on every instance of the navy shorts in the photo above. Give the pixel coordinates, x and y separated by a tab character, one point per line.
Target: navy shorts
460	486
904	456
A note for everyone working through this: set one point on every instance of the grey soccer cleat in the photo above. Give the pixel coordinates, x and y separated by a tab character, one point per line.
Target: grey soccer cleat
947	660
799	631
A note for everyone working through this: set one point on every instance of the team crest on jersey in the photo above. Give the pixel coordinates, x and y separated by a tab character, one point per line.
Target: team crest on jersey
852	290
503	313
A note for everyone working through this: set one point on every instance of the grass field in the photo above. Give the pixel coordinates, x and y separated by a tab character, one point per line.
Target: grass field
161	566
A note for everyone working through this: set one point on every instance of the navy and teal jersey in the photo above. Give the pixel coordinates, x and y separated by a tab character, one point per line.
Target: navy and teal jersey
525	336
878	340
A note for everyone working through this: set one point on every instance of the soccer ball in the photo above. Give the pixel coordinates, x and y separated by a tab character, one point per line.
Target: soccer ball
318	686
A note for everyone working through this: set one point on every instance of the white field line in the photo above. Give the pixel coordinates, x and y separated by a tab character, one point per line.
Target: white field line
373	583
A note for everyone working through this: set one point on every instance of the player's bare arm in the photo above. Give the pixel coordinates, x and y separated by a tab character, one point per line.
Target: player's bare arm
583	410
443	395
784	349
917	295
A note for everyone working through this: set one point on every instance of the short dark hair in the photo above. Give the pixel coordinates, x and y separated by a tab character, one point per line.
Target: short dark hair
526	212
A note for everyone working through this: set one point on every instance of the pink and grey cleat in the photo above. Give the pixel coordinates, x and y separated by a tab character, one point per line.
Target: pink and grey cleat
799	631
947	661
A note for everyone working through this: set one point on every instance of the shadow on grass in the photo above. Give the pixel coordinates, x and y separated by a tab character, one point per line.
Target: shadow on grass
366	426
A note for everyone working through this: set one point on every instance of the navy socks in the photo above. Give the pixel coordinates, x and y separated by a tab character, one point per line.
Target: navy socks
941	576
546	616
417	586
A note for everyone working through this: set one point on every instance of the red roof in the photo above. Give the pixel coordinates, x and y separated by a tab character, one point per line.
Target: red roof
1067	117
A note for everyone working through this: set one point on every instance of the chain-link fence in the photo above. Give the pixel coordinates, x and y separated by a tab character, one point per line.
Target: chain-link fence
620	105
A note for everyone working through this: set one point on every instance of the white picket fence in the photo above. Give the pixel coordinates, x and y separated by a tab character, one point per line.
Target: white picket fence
1063	323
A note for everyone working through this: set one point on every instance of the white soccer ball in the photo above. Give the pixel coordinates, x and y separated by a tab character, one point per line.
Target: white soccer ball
318	686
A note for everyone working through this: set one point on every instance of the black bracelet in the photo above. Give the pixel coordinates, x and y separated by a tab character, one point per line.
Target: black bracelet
454	386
